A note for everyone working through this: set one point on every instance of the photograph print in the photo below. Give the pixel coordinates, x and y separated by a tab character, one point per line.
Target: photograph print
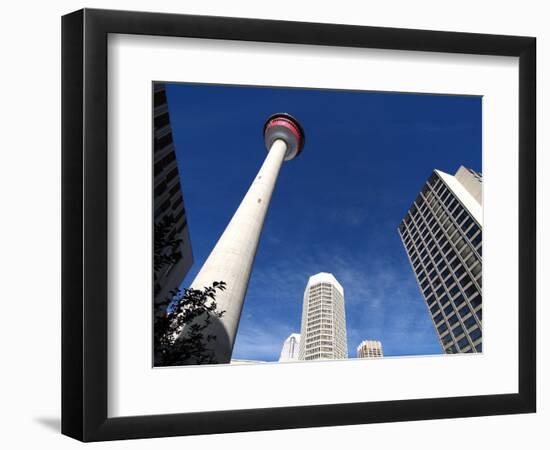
298	224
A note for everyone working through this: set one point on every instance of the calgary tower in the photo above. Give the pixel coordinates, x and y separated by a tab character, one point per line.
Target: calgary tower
233	255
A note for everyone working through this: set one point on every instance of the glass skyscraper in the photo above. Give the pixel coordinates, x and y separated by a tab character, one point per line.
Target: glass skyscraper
442	234
323	334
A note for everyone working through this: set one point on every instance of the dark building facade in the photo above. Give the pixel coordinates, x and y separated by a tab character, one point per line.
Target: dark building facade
168	206
442	235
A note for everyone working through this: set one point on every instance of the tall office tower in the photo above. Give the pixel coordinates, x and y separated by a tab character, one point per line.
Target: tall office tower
291	348
169	212
323	334
441	233
233	255
370	349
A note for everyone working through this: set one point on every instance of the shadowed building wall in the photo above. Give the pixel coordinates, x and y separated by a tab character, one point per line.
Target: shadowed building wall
168	201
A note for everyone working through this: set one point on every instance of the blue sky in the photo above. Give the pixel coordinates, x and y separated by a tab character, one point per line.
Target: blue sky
335	208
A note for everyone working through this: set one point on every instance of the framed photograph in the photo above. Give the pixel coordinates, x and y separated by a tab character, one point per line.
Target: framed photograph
273	224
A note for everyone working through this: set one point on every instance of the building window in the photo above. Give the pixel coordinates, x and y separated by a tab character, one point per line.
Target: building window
160	97
470	322
463	343
465	281
475	335
453	291
163	142
464	311
475	302
457	331
162	120
470	291
459	271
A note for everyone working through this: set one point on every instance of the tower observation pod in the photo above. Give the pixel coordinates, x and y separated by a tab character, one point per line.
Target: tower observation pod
233	255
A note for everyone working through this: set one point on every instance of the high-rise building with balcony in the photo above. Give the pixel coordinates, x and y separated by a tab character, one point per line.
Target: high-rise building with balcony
370	349
442	234
323	334
168	207
291	348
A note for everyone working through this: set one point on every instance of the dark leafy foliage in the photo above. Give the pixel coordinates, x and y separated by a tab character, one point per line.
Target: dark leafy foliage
166	245
180	335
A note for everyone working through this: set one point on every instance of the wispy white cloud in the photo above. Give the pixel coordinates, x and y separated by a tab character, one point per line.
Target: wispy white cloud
262	340
350	216
272	239
381	297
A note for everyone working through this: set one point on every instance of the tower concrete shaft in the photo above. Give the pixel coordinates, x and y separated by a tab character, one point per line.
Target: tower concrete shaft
233	255
232	258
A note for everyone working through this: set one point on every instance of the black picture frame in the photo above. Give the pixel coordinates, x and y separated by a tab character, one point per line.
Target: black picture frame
84	224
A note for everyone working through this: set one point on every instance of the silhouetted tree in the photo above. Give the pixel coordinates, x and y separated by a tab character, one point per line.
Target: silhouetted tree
166	244
190	311
187	310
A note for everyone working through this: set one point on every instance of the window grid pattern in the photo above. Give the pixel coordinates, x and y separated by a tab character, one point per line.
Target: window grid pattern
323	323
444	245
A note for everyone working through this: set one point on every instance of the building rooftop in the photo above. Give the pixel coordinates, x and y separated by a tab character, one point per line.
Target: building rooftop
324	277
